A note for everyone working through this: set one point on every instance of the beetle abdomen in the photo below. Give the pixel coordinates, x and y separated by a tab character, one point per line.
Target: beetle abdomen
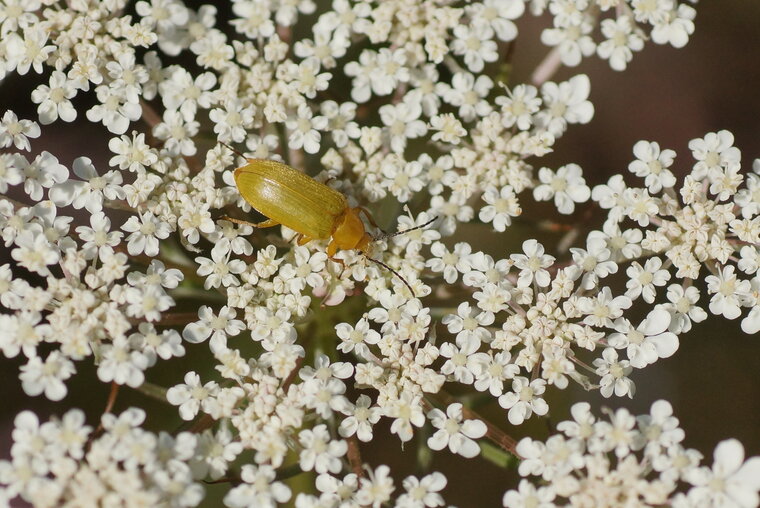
290	197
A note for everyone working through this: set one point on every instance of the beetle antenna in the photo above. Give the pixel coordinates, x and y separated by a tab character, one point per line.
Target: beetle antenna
394	272
391	235
233	150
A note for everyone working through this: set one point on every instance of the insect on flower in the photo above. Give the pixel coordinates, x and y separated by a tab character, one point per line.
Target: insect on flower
315	211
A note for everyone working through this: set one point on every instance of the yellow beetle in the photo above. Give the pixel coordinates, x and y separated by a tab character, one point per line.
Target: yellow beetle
312	209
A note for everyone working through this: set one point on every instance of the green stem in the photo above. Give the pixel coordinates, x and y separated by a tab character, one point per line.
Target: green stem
152	391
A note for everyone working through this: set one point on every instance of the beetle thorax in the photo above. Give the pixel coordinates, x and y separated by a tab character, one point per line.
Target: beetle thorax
350	232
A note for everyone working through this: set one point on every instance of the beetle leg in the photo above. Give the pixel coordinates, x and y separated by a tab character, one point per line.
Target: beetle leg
370	218
302	239
263	224
342	266
332	249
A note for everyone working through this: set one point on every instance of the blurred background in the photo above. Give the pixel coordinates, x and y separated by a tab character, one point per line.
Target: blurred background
666	95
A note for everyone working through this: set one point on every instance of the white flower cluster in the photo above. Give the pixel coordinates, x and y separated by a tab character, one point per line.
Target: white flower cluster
631	461
634	22
65	461
712	221
398	102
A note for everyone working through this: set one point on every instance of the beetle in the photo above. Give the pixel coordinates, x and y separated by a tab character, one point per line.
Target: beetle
315	211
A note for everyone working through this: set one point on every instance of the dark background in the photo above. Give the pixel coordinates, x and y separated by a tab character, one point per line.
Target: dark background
666	95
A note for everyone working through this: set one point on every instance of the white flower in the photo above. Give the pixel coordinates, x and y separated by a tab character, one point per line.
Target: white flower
195	219
533	264
177	133
751	323
476	44
459	364
259	488
19	14
231	122
34	252
362	71
455	432
163	14
451	263
492	370
727	292
660	427
28	50
145	233
376	490
468	322
527	495
594	263
643	279
390	69
156	275
402	123
180	91
406	411
220	269
47	376
714	152
154	345
304	129
567	186
611	196
218	327
122	364
325	47
623	38
684	307
147	302
499	15
402	178
340	121
601	309
648	342
675	27
132	154
54	100
518	107
320	452
114	110
360	420
565	103
10	170
89	192
730	481
640	205
613	373
619	435
573	41
356	338
98	237
214	452
502	206
652	165
524	399
422	493
191	396
44	172
469	94
449	129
